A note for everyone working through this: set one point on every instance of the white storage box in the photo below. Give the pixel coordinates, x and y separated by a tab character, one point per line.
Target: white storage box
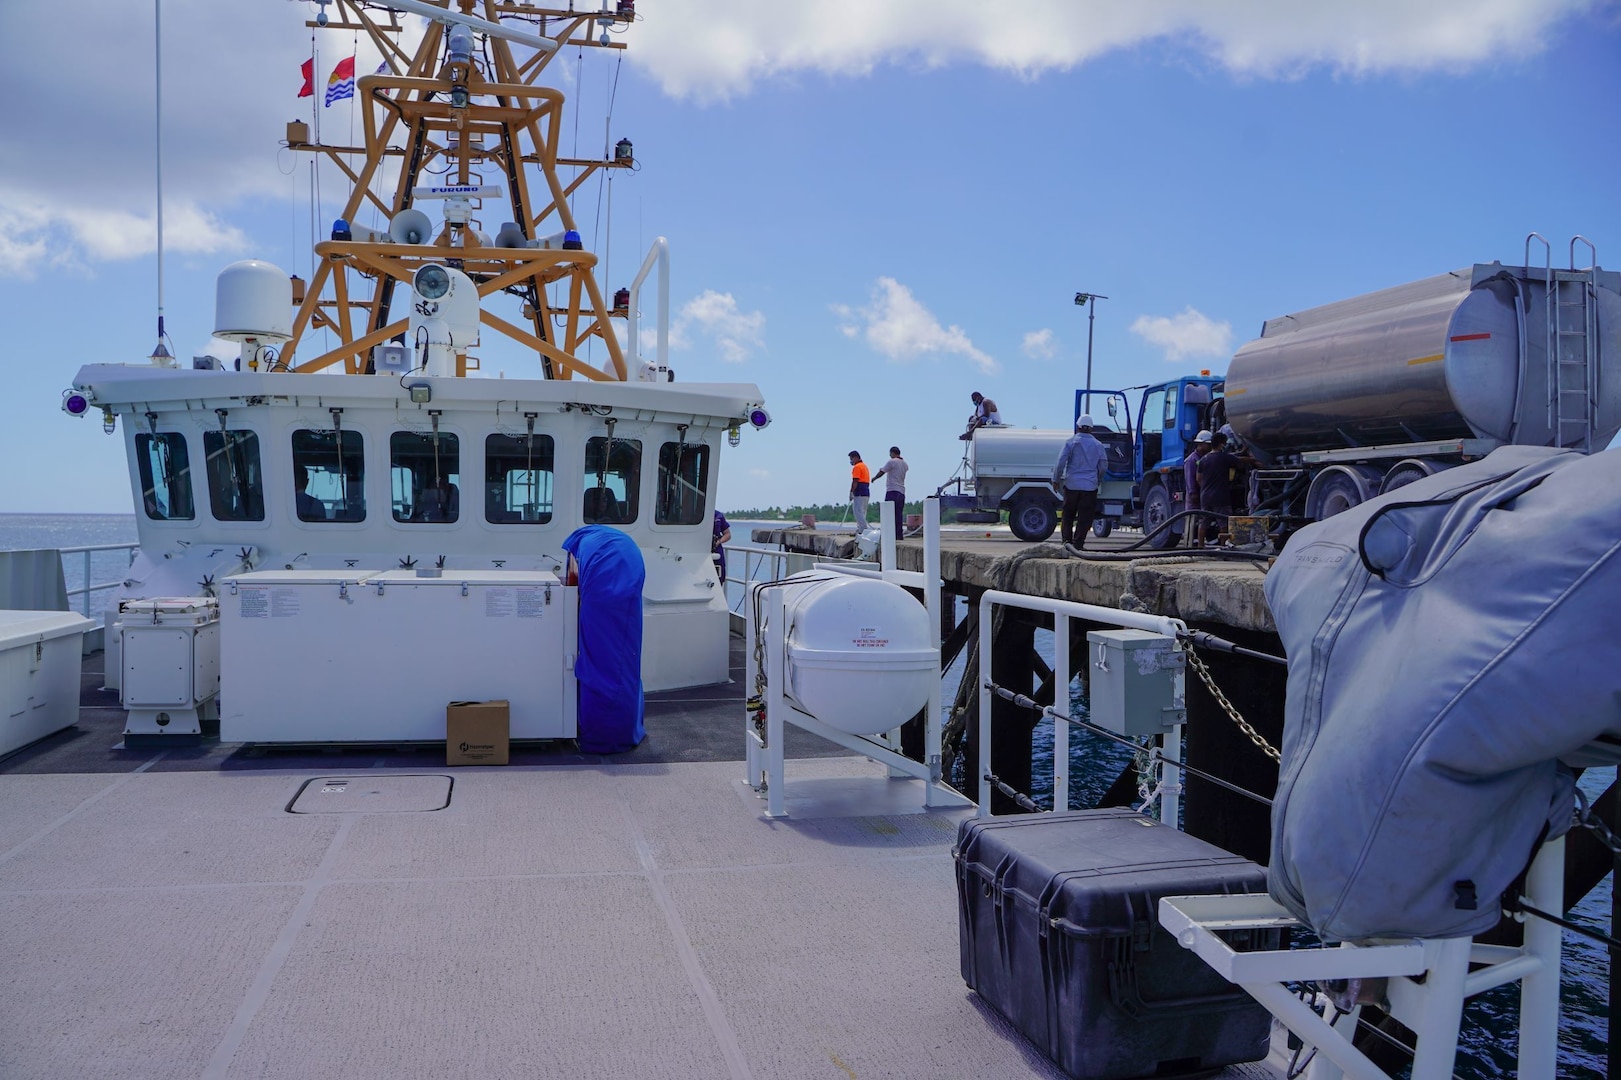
311	656
169	658
39	674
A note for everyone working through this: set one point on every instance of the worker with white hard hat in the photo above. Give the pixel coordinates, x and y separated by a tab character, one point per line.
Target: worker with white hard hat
1076	477
1194	530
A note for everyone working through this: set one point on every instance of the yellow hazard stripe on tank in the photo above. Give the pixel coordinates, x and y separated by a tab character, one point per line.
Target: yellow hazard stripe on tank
1426	359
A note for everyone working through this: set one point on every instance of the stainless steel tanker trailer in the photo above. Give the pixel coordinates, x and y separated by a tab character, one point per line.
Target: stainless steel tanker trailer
1346	401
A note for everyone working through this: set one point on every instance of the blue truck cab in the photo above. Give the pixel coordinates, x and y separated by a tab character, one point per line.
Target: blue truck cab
1143	485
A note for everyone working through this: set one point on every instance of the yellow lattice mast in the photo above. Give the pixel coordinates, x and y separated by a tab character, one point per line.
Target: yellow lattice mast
442	116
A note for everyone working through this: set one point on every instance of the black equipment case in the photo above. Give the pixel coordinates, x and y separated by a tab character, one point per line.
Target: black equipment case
1059	921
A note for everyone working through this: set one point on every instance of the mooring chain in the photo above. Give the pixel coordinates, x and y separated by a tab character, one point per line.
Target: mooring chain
1227	707
1595	824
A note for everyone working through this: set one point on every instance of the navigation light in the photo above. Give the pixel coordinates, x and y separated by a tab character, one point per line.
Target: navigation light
759	418
75	403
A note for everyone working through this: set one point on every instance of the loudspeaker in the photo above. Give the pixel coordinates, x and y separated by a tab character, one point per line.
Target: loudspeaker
411	227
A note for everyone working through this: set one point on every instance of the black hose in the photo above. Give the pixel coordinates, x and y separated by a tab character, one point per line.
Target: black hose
1120	554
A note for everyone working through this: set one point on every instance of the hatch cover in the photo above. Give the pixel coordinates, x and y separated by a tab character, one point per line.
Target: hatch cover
372	795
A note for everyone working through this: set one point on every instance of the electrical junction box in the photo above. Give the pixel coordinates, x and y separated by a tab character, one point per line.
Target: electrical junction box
1135	681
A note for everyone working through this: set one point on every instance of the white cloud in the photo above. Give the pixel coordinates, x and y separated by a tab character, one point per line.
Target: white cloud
714	49
77	165
735	333
1039	344
901	328
1188	335
760	474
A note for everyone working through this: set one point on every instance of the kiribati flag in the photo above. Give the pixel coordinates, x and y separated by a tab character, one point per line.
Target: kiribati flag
341	84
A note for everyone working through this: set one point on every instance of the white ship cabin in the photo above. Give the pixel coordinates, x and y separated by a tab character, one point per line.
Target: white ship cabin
232	471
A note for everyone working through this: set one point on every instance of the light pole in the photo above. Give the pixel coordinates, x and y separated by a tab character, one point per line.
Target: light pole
1089	302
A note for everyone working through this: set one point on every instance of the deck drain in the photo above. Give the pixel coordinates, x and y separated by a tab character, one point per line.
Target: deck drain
371	795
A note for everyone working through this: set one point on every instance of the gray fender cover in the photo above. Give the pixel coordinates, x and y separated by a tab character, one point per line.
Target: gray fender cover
1453	646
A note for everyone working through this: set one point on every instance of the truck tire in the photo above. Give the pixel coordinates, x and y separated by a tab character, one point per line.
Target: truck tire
1405	472
1102	527
1338	488
1157	509
1032	518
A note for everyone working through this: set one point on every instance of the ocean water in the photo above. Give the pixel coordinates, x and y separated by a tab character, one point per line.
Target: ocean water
22	531
1486	1044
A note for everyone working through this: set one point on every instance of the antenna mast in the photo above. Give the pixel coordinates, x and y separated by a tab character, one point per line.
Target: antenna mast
161	355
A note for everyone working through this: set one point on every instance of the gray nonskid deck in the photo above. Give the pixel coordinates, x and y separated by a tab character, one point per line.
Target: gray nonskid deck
560	921
163	915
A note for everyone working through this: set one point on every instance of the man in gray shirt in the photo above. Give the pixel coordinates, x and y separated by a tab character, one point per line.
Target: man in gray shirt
894	472
1077	475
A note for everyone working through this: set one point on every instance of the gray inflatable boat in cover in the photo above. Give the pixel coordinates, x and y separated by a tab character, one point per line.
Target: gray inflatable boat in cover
1454	650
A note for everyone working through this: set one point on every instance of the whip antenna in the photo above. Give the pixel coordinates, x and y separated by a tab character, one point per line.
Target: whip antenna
161	356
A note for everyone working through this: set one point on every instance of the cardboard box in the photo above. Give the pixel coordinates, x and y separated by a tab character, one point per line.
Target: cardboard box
477	732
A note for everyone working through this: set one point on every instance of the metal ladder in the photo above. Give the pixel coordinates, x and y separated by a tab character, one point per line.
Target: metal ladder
1571	340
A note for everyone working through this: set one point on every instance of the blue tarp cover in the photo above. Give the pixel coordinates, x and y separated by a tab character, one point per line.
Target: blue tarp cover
609	665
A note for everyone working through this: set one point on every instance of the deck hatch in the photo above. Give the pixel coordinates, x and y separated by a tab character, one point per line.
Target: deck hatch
372	795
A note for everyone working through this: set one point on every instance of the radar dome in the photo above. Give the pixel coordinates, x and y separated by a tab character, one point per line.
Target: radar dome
253	301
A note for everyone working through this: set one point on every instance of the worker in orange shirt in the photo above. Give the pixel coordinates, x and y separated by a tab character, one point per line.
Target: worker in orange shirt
860	489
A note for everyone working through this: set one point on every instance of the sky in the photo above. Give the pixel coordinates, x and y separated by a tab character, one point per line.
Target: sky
873	208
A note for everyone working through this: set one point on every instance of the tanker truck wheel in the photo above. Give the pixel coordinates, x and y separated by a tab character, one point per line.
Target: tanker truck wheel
1339	488
1102	527
1156	511
1032	518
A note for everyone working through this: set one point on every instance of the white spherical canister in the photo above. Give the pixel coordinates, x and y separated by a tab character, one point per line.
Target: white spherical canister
859	655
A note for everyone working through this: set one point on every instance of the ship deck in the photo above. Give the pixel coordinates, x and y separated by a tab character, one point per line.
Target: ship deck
163	913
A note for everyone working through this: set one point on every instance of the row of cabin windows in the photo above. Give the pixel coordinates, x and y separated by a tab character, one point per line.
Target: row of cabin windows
329	478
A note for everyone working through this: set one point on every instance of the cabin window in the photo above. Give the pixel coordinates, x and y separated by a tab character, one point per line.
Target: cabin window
518	479
613	474
329	475
165	476
236	486
425	476
683	481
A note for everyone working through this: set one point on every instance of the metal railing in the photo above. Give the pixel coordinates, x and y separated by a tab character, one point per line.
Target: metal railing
1168	789
756	558
89	587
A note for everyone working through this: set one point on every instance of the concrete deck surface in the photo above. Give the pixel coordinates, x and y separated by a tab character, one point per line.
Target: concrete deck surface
163	914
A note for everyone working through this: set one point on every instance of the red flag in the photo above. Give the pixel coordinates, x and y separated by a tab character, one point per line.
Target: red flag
308	68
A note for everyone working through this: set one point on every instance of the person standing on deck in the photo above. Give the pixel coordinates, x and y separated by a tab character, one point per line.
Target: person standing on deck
894	473
1194	529
717	545
1079	471
860	490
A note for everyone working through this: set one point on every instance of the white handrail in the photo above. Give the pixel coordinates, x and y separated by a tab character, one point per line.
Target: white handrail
659	253
88	550
1062	611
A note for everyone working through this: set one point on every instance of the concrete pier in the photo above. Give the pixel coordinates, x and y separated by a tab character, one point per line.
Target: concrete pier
1191	588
